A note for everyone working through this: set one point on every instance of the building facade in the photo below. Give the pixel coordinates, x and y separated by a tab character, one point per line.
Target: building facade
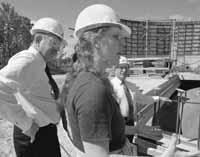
162	38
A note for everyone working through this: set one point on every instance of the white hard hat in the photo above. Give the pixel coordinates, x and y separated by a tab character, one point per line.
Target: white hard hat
123	61
98	15
49	25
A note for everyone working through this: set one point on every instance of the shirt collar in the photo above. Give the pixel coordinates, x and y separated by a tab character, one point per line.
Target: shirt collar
117	80
122	82
38	55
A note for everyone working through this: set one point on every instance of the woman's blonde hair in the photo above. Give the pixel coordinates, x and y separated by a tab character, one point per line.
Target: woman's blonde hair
84	49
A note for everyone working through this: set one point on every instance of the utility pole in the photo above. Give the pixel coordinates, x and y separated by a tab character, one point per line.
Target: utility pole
146	43
173	54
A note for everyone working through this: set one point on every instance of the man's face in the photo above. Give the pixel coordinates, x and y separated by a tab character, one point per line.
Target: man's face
50	47
121	72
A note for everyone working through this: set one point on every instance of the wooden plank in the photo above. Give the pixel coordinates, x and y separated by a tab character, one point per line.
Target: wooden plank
188	76
147	58
146	147
149	68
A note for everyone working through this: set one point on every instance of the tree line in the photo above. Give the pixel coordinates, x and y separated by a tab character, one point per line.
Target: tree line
14	32
15	36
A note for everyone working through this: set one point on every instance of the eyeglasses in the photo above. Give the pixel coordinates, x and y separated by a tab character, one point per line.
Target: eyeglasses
56	42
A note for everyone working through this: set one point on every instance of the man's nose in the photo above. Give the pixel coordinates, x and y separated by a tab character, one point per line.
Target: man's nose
122	70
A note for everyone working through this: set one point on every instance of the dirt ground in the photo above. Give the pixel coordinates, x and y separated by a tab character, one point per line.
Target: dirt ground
6	141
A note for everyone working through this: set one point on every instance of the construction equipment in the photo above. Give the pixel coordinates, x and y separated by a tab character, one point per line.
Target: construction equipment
151	146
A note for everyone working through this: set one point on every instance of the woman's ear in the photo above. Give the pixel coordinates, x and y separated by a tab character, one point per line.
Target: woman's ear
97	46
38	39
97	43
103	42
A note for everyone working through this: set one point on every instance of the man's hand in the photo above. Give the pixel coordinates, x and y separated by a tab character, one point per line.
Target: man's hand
172	152
32	131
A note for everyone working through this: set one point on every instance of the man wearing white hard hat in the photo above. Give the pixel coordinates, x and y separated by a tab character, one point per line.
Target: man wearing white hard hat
28	92
129	96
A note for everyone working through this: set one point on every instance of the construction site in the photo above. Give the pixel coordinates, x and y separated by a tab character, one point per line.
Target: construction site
163	58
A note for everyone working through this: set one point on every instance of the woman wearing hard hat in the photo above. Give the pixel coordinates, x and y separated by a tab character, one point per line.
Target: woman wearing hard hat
96	126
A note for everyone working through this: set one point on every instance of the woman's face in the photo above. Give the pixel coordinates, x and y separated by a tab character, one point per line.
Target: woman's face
110	45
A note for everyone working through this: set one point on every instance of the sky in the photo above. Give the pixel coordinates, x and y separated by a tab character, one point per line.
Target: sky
66	11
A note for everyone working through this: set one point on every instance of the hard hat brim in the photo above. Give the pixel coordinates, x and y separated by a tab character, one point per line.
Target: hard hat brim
43	31
125	30
123	65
